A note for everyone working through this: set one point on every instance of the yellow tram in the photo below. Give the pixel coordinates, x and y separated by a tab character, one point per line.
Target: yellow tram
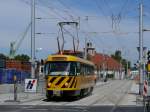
68	75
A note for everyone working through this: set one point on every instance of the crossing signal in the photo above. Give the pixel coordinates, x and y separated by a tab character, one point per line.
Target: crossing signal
148	61
42	62
148	56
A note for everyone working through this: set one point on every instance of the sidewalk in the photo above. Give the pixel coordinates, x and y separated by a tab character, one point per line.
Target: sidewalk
131	97
7	95
7	99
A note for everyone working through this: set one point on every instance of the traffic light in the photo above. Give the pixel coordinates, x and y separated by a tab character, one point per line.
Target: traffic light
148	56
42	62
148	61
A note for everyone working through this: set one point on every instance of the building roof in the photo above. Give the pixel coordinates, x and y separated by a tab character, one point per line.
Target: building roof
104	61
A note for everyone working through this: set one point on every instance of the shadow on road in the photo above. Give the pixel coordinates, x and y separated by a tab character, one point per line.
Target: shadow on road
66	99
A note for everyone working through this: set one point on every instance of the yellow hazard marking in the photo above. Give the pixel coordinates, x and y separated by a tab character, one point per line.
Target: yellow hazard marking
55	81
64	81
70	83
63	89
49	79
74	83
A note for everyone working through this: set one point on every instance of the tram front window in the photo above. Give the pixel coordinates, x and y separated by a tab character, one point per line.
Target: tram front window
60	68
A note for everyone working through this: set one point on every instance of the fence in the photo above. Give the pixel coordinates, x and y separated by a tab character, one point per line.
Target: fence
7	75
7	84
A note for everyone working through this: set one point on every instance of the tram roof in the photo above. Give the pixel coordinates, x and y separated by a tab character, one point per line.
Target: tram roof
68	58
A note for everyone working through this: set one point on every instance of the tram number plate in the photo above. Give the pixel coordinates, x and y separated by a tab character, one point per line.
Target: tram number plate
56	92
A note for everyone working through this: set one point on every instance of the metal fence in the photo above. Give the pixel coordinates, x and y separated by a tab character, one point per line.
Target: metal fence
7	84
7	76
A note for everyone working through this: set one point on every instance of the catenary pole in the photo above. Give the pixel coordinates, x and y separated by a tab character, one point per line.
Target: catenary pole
33	39
141	48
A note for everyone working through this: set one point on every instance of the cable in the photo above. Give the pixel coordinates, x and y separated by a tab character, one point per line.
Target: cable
66	6
40	9
108	6
100	8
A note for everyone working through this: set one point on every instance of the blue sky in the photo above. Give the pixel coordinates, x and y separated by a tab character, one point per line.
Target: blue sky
95	24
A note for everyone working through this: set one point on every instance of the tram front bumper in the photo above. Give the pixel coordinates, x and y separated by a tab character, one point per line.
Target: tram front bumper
63	93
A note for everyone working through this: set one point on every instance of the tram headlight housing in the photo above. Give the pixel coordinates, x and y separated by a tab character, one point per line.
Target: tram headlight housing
49	84
66	84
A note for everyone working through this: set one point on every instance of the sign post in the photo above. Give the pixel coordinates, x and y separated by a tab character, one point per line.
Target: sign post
31	85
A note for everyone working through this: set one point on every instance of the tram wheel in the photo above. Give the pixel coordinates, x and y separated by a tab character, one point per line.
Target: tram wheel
91	90
82	93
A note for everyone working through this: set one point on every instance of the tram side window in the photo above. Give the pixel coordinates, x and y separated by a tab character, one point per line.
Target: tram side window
92	70
86	69
82	69
89	70
73	69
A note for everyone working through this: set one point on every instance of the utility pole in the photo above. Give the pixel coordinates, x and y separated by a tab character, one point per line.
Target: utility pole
144	63
85	50
141	48
104	65
33	39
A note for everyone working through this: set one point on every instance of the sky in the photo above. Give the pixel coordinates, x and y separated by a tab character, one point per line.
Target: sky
109	24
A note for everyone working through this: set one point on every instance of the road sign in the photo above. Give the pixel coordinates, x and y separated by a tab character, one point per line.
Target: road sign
30	85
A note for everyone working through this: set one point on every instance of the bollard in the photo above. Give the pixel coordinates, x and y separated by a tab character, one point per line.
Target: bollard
15	88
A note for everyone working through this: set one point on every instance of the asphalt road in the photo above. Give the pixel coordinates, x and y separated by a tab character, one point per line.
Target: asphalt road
107	97
44	108
110	93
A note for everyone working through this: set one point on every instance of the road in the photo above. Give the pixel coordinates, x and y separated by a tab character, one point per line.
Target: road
106	97
47	108
109	93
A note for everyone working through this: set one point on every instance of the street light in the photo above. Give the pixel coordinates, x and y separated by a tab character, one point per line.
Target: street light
38	49
146	29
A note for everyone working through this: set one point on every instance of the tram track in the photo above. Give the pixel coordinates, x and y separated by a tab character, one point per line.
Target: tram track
101	95
121	98
109	92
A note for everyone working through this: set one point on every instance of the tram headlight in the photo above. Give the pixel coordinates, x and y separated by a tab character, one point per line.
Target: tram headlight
66	84
49	84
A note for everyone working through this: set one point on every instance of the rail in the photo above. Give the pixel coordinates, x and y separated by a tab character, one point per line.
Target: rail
146	103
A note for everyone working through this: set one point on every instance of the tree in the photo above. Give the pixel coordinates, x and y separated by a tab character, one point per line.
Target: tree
2	56
118	57
22	57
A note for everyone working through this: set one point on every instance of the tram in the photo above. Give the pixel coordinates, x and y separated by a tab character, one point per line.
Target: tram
68	75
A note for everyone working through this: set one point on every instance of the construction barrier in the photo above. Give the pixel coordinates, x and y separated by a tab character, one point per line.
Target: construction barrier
145	89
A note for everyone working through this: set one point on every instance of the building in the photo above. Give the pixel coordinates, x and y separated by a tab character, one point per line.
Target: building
105	65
